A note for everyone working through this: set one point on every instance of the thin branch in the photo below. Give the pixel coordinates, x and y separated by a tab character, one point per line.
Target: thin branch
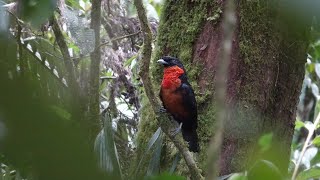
310	134
163	119
228	24
118	38
70	74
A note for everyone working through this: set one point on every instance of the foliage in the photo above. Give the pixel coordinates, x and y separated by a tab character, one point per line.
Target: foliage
42	138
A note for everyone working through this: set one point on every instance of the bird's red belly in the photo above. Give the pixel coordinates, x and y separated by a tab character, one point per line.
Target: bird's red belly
173	103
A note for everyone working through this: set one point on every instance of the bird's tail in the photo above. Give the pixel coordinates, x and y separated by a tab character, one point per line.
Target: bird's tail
191	136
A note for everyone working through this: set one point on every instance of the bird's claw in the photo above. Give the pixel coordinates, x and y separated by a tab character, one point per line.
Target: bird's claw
174	132
162	110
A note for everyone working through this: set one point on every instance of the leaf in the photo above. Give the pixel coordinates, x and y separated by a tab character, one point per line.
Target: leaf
107	151
316	159
317	69
154	164
316	141
151	142
265	141
225	176
75	3
315	90
153	139
264	170
61	112
4	20
308	174
37	11
298	124
129	61
175	163
238	176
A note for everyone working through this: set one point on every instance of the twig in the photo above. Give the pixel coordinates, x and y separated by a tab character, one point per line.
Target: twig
311	131
163	119
119	38
228	24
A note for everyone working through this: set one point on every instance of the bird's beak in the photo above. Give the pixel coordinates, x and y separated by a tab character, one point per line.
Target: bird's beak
161	61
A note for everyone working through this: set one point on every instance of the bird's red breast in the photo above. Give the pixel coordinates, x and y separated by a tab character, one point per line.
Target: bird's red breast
171	77
172	99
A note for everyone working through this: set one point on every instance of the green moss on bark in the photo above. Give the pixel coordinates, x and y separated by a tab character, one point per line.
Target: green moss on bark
180	24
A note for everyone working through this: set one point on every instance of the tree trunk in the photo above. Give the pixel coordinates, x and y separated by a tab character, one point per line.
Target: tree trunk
265	76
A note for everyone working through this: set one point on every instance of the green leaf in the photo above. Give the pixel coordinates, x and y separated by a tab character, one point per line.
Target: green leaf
105	147
37	11
298	124
154	164
316	141
316	159
308	174
151	142
61	112
264	170
265	141
129	61
75	4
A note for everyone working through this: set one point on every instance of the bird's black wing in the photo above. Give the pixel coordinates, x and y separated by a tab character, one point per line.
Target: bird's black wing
189	101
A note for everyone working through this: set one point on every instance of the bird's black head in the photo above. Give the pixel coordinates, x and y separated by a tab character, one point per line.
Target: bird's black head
168	61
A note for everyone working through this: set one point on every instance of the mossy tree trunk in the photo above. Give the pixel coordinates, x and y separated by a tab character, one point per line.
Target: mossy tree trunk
265	76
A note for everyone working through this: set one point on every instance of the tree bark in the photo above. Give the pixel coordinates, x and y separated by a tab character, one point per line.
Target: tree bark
264	77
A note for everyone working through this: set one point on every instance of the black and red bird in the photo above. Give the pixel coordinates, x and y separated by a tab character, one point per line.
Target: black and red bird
179	100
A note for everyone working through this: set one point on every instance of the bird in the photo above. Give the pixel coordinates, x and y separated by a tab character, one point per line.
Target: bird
178	99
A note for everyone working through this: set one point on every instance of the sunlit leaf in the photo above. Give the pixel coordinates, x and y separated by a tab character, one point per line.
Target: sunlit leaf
316	141
298	124
129	61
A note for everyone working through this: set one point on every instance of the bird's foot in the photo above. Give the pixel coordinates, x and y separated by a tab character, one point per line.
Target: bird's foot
162	110
174	132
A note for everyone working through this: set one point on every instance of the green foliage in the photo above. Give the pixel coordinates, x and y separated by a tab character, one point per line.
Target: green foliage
37	11
48	147
308	174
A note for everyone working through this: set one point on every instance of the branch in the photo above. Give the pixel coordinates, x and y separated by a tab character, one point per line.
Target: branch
118	38
306	143
163	119
228	25
70	74
93	85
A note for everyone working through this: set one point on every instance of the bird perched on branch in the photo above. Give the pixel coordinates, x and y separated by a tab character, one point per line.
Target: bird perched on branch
179	100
